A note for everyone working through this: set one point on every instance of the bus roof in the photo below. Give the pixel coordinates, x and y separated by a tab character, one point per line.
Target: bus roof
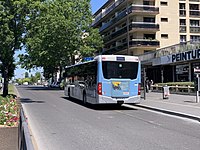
117	58
80	64
109	58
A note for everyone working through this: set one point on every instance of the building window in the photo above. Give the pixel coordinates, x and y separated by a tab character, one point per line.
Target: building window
164	19
195	38
149	36
182	22
183	38
163	3
149	19
146	2
182	6
164	36
194	23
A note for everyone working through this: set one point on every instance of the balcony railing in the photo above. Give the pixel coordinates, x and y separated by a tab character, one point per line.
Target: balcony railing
108	10
145	8
133	8
114	20
144	25
115	34
116	49
194	0
144	43
182	13
183	29
133	43
194	29
194	13
133	25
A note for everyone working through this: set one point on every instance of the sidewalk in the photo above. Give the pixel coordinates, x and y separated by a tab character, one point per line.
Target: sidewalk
180	105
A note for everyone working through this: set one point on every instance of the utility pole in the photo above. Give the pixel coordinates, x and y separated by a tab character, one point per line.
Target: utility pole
127	25
197	72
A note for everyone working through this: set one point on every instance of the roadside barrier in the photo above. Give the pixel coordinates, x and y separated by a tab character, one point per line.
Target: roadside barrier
176	89
25	142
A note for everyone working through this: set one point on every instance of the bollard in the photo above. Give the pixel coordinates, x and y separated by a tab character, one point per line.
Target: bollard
166	92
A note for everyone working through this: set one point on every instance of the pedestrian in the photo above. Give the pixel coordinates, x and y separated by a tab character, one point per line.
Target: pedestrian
147	85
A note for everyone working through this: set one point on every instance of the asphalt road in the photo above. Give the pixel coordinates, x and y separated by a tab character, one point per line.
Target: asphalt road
58	123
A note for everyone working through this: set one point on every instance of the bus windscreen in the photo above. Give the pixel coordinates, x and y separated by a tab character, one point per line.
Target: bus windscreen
123	70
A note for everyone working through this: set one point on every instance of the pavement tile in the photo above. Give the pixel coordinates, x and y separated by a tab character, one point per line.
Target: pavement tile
181	105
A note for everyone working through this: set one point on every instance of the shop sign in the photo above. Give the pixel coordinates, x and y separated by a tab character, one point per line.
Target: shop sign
179	57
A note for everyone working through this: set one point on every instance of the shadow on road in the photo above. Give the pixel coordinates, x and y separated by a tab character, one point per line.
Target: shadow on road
27	100
39	88
101	107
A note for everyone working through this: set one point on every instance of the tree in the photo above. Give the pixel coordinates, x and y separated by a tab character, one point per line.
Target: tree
12	19
56	34
38	75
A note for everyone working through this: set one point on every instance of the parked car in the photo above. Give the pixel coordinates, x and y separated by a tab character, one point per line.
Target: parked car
55	85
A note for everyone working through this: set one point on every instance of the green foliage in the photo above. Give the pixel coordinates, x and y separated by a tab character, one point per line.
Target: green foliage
13	14
33	80
26	80
19	81
56	33
37	75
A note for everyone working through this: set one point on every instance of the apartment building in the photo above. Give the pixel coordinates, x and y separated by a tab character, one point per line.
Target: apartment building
135	27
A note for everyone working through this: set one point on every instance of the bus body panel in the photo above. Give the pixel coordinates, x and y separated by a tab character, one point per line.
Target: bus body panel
114	90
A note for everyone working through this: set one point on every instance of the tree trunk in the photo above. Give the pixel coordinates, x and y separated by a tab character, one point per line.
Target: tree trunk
60	75
5	86
72	59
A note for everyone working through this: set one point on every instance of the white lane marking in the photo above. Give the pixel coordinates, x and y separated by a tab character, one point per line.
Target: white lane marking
161	113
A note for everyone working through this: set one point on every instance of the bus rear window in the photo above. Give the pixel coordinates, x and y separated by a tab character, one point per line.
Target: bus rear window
124	70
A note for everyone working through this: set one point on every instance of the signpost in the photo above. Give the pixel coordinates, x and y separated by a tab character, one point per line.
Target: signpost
197	72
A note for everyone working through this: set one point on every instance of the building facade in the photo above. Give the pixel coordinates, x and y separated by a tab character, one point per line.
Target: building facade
135	27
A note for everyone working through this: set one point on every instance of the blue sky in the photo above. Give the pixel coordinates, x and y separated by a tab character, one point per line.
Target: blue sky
95	4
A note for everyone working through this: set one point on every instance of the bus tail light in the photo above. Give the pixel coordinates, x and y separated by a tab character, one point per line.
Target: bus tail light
99	89
139	92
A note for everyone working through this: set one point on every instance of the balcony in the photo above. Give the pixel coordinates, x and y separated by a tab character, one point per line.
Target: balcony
107	11
182	13
134	43
116	49
116	34
133	9
134	26
194	0
114	20
144	43
195	13
143	26
183	29
195	29
141	9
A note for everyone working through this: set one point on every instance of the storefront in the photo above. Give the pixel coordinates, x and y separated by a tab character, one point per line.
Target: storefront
177	67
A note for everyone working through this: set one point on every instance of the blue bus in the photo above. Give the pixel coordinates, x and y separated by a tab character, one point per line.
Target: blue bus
108	79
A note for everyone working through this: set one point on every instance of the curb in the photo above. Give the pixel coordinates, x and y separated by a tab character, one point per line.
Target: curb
188	116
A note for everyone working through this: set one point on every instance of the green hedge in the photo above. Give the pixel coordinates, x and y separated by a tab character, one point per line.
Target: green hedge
177	83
